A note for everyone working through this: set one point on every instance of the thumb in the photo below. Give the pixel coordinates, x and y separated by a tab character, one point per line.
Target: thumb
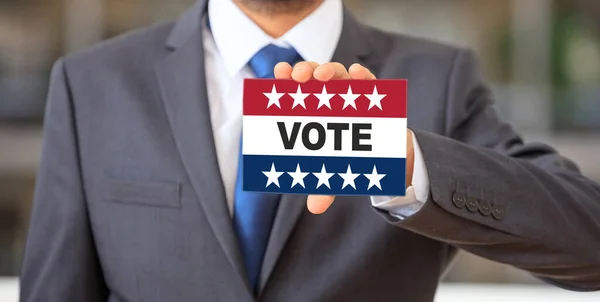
318	204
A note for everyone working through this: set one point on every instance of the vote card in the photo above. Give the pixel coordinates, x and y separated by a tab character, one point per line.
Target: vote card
342	137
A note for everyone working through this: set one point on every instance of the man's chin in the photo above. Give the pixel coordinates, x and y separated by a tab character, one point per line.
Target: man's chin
278	6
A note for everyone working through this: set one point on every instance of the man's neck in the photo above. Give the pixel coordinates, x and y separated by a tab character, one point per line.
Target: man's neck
276	20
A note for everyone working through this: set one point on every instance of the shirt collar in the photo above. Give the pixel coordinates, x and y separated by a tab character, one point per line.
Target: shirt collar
238	38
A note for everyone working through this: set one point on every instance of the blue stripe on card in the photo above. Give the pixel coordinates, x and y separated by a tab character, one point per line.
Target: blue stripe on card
392	184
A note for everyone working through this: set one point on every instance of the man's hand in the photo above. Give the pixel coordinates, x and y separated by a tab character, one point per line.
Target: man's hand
305	71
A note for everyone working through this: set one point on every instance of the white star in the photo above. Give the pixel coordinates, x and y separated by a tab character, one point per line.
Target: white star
323	177
349	178
349	98
298	176
374	178
273	176
324	98
273	97
299	98
375	99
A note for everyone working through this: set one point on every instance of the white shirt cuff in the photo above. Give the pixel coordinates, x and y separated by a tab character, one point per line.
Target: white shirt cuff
416	195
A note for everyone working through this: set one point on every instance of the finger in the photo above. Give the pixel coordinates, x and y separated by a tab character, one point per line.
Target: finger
283	70
318	204
359	72
331	71
303	71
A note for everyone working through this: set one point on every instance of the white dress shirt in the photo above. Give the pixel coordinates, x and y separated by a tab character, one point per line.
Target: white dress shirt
233	39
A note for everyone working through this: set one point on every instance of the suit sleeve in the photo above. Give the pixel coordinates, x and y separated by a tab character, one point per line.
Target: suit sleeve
60	263
495	196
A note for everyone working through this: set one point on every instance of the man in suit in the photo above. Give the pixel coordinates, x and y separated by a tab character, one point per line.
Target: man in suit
138	198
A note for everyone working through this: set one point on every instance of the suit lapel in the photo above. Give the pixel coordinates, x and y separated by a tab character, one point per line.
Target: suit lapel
352	48
181	78
289	211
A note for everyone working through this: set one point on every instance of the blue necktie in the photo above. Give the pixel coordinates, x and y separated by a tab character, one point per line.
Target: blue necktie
254	213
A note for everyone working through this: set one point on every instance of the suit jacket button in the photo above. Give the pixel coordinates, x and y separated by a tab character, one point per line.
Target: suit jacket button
472	204
459	200
498	212
485	209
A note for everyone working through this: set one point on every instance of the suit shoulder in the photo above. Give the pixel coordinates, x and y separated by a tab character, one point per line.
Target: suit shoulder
407	45
136	46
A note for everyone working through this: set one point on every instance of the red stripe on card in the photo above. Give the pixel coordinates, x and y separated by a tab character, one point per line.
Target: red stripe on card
363	96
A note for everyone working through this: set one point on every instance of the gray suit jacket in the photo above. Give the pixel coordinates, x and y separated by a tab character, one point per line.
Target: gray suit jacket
129	204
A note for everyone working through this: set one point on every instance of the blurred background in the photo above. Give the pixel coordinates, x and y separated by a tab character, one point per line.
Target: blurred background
542	58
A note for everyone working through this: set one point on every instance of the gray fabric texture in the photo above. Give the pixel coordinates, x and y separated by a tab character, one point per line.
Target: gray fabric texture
129	204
